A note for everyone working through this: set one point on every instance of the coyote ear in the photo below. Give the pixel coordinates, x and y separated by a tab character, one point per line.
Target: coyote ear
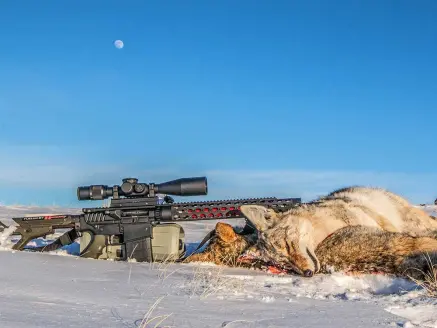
262	217
225	232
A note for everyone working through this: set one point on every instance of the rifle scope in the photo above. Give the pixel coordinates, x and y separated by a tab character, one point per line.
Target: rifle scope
131	188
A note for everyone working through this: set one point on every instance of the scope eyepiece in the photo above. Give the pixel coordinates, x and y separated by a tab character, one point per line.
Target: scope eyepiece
94	192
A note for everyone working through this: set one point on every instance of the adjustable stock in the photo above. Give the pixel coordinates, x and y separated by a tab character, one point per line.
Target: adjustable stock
30	228
28	234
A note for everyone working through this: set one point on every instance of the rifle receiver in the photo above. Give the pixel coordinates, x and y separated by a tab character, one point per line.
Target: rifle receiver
131	188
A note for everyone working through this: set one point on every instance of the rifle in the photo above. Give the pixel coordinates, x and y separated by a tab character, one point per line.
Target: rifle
136	224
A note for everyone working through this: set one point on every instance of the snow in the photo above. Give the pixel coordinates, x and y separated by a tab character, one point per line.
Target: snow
59	289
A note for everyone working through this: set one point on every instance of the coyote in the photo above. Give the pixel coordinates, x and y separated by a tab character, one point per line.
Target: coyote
352	249
290	238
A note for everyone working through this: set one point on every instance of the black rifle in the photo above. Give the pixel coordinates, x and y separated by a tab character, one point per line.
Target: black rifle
131	218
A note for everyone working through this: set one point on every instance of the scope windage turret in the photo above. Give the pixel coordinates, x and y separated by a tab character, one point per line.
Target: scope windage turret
130	187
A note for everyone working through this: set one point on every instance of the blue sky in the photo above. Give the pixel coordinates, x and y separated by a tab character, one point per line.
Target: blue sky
285	98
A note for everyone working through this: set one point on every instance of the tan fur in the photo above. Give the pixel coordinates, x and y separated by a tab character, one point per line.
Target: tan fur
352	249
291	238
224	248
361	249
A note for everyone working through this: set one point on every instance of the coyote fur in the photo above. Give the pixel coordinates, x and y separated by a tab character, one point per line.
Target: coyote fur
360	249
290	239
225	247
352	249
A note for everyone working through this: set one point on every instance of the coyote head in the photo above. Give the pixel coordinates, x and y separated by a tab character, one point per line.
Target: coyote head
285	240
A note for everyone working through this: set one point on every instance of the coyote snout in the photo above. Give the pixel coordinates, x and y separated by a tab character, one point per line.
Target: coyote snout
280	256
290	246
291	254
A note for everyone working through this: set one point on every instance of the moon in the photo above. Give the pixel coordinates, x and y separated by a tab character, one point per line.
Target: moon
118	44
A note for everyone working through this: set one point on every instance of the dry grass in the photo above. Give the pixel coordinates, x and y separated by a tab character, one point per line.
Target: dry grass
210	280
429	282
163	267
149	321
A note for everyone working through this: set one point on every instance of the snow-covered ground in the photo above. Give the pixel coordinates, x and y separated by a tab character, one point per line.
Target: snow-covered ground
63	290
